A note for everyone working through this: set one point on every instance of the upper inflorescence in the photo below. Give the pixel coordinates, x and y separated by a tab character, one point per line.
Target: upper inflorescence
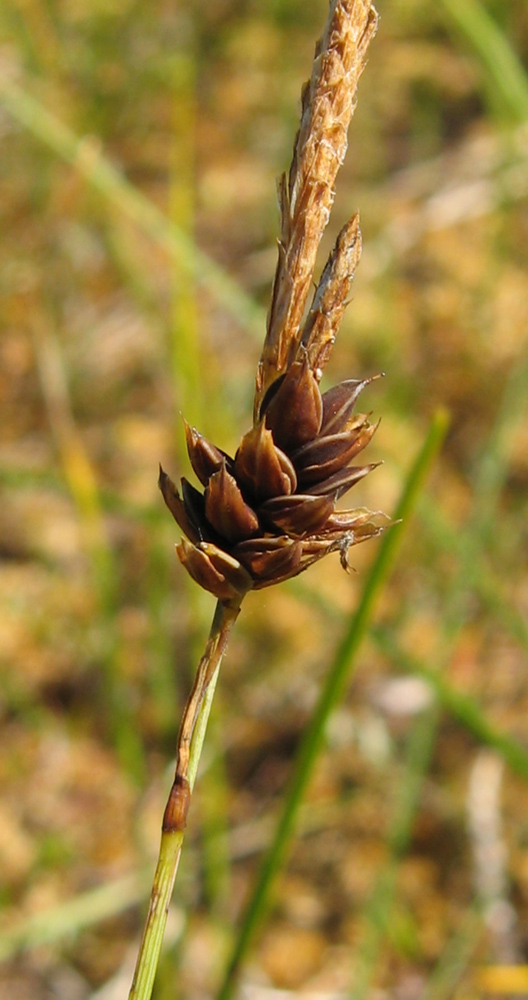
269	512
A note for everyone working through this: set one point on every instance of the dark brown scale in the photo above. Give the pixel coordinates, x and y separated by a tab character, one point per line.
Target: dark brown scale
261	468
226	509
339	484
297	515
205	457
295	412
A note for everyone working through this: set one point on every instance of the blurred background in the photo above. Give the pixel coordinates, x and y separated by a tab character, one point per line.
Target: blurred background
141	141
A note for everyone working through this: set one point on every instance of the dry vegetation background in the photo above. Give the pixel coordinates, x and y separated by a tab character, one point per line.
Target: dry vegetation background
410	868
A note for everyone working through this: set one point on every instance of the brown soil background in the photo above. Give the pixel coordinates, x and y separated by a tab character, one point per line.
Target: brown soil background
104	339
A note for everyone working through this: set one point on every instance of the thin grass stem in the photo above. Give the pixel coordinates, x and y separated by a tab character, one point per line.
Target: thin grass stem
378	911
456	957
338	676
70	918
81	480
189	747
84	155
508	77
485	583
187	354
489	478
462	707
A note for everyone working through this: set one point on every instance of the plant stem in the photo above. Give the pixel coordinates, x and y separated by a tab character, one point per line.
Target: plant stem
84	154
190	742
336	679
506	73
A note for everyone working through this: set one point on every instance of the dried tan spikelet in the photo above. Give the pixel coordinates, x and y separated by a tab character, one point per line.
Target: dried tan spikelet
330	299
306	196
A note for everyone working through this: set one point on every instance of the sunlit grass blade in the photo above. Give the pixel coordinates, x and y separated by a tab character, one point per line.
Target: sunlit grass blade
503	67
69	919
495	460
162	685
484	582
81	479
338	676
462	707
85	156
188	360
190	377
378	911
456	957
36	35
189	364
189	748
490	475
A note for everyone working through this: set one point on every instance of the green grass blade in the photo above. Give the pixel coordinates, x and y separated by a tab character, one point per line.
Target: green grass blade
188	355
69	919
456	957
85	156
495	461
81	479
489	478
462	707
490	475
485	583
378	912
503	67
338	676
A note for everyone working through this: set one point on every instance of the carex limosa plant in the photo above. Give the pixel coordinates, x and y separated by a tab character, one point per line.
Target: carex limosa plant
269	512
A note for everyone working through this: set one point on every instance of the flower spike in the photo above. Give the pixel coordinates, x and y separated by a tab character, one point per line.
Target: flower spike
270	512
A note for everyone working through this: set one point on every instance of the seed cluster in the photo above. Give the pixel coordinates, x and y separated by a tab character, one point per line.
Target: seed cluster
270	512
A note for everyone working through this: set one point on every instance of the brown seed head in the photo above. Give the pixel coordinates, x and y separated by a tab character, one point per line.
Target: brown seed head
270	512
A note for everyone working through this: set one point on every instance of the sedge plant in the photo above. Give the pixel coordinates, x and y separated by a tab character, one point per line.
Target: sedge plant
270	511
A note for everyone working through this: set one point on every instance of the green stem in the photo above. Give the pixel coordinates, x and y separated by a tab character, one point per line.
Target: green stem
338	676
462	707
190	742
84	154
378	912
505	69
